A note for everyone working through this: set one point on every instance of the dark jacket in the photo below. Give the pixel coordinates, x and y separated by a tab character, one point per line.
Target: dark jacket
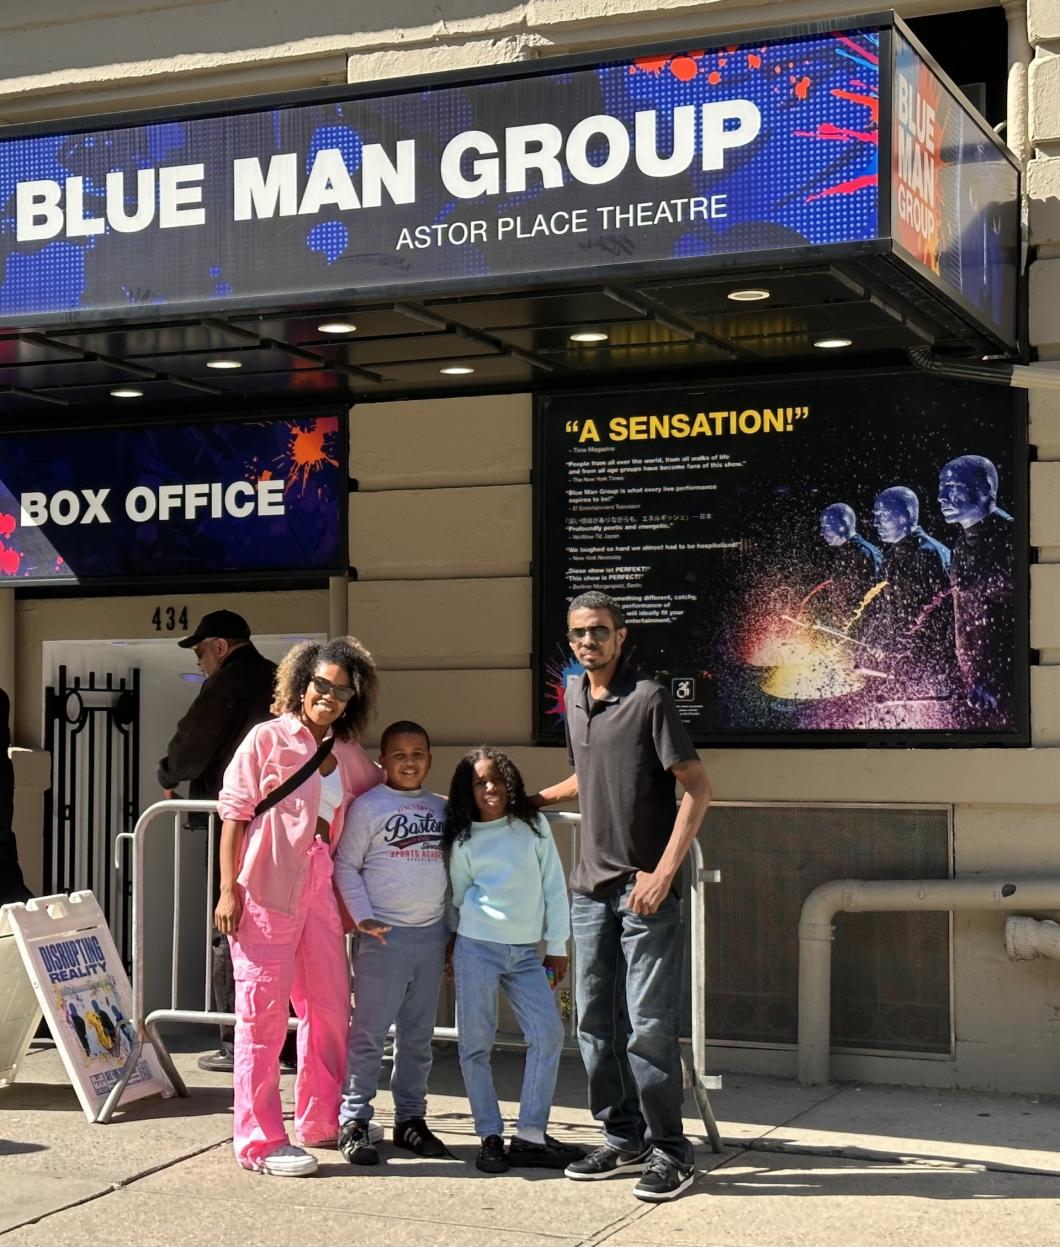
229	704
12	887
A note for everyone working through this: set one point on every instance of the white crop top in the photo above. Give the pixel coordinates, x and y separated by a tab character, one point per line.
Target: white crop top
330	795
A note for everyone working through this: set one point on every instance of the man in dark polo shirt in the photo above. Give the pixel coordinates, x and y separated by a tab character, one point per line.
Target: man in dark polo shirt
627	745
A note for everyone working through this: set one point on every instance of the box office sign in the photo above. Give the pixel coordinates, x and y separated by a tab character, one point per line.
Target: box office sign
260	497
750	147
797	558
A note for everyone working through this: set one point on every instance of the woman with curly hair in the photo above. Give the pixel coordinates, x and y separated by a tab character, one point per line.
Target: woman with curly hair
277	904
508	885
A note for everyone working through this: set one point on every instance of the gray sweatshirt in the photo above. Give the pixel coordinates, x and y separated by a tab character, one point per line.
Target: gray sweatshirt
389	864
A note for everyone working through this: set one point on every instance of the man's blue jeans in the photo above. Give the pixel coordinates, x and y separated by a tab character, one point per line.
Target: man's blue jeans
628	992
482	968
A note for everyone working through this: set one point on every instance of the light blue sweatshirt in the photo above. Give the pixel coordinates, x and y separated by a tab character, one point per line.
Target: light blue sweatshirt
509	887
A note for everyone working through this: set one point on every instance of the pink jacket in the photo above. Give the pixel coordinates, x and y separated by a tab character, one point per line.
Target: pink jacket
272	867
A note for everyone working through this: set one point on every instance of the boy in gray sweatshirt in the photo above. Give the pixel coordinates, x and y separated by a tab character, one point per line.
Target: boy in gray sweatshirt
390	872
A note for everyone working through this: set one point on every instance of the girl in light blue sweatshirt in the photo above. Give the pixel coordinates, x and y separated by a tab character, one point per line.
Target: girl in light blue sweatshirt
509	889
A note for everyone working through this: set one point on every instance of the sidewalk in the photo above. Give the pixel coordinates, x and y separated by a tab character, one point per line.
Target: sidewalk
847	1165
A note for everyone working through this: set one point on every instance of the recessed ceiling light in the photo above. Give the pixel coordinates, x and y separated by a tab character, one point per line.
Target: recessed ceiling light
457	370
751	295
831	344
588	337
337	326
224	363
126	391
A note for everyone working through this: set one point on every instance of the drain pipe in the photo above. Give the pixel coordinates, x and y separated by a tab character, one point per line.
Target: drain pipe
881	896
1014	376
1027	938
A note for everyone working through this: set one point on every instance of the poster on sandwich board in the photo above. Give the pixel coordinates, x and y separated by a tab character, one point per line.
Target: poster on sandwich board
67	959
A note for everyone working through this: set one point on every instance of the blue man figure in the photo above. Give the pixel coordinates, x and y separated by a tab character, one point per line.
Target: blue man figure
852	563
981	574
915	619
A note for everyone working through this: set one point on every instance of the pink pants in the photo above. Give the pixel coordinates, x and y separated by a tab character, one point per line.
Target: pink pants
299	958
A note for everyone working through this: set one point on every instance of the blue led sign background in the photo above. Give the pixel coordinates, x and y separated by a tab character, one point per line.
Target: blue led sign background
255	496
694	154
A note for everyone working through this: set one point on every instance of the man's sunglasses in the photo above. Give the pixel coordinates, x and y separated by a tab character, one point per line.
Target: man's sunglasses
341	692
598	632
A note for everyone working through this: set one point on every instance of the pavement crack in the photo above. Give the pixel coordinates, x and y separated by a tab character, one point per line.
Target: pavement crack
112	1188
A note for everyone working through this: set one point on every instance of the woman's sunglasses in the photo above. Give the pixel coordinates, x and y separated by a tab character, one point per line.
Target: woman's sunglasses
341	692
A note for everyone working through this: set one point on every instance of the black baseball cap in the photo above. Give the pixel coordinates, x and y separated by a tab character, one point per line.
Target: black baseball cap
225	624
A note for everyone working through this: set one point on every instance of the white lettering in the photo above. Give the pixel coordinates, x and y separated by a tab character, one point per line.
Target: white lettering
532	147
174	197
486	174
33	510
254	195
716	139
141	218
328	183
378	173
579	141
37	211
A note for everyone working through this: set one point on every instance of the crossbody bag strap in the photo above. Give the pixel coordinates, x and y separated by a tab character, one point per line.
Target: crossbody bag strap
296	780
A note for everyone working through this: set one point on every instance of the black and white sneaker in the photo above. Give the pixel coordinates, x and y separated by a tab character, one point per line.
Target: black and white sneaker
355	1144
414	1135
608	1162
663	1179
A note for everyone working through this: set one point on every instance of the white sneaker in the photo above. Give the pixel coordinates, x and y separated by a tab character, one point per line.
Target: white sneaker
289	1162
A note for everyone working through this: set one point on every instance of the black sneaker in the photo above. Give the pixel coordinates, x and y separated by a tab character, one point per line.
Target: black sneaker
491	1157
356	1145
548	1155
414	1135
220	1062
608	1162
663	1179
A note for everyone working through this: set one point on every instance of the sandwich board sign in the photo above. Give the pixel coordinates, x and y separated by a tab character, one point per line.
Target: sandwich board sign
58	959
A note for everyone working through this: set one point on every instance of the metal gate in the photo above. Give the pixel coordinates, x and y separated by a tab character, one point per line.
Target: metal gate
92	730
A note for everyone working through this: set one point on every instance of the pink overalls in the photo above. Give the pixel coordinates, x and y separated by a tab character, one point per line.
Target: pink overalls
289	944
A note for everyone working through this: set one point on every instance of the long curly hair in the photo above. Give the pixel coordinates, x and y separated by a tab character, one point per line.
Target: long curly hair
296	670
462	811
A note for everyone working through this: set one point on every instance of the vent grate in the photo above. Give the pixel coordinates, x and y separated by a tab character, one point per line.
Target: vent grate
890	972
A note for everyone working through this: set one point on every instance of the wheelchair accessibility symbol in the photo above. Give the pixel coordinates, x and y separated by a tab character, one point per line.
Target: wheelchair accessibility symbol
683	689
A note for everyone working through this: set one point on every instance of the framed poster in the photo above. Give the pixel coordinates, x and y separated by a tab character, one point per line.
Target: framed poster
801	559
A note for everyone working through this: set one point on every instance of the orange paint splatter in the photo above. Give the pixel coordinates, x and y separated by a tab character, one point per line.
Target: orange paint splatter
722	61
684	68
754	61
307	453
9	560
846	188
7	524
714	77
802	87
649	65
266	475
869	101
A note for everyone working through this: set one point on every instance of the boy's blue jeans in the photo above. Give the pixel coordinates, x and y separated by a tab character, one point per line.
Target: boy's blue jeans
481	968
628	992
394	984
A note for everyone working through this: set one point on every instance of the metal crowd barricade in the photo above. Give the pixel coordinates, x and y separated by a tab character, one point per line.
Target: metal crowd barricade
147	1025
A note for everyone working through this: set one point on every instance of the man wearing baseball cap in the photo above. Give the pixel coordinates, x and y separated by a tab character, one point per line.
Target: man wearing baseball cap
235	695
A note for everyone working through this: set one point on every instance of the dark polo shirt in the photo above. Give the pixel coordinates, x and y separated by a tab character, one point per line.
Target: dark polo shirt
622	747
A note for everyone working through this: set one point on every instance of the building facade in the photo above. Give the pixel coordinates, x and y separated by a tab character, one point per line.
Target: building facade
441	525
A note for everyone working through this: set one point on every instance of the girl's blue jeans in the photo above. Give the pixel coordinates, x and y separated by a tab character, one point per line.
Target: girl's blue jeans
481	968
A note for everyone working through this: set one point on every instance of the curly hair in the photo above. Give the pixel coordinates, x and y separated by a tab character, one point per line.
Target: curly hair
296	670
462	811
